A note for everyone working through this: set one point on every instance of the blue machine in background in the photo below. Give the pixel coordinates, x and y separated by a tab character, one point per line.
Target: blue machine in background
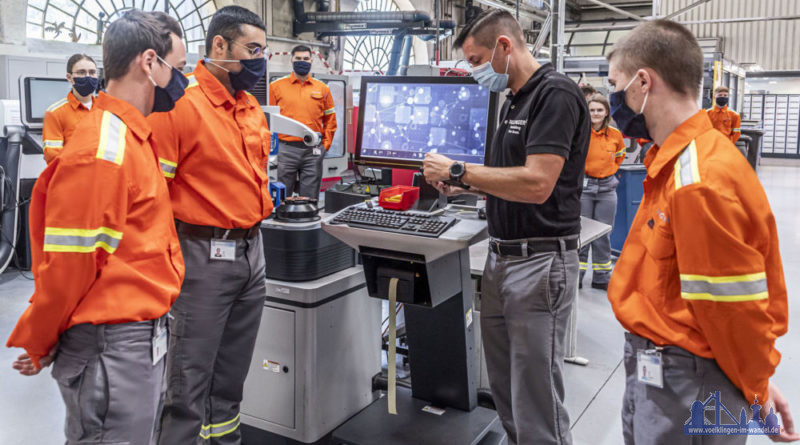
629	196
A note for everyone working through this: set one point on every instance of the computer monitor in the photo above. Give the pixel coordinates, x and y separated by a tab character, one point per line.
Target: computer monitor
37	94
401	119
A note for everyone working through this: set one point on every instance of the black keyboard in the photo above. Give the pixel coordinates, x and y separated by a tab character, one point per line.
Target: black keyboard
394	221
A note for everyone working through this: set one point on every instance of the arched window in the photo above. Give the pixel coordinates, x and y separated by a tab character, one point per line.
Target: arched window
83	21
370	53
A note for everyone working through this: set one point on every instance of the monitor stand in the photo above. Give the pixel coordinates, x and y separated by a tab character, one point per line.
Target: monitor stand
429	198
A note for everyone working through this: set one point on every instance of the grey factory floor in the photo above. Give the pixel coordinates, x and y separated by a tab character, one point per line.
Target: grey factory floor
32	412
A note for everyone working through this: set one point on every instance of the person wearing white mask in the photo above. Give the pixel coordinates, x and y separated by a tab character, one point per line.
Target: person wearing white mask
532	180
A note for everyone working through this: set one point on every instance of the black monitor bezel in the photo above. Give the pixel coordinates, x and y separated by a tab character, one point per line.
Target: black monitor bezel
28	111
369	161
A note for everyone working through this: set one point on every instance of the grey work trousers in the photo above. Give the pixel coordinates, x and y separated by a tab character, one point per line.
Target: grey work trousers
599	202
656	416
293	160
525	305
112	391
213	334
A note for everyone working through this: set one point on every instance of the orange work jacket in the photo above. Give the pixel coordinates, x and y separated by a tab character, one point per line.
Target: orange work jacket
606	152
60	120
727	121
308	102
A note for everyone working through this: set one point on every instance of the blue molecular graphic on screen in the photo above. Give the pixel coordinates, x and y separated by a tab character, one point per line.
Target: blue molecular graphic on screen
407	121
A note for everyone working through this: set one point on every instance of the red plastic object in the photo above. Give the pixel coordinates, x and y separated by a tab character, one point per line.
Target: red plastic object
400	197
403	176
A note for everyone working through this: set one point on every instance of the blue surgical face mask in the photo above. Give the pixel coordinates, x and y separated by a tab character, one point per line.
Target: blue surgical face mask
165	98
85	86
486	75
252	71
722	101
301	67
630	123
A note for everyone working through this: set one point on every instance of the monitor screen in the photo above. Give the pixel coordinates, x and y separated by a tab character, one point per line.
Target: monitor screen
40	93
401	119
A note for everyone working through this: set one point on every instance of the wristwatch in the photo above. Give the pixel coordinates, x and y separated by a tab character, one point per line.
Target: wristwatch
457	170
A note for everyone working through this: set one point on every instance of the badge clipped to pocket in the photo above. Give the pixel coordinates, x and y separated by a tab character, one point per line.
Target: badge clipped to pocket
585	181
316	151
223	250
159	342
649	367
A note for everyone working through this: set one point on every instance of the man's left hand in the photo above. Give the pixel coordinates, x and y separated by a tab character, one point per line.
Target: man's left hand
436	168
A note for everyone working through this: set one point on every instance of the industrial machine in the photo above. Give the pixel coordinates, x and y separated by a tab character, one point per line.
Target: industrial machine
421	259
23	161
316	354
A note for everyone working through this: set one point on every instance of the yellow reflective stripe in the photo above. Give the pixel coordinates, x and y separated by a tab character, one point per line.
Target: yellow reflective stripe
112	138
733	288
58	239
192	82
330	111
725	298
219	429
57	105
82	232
620	152
737	130
686	167
725	279
53	143
168	167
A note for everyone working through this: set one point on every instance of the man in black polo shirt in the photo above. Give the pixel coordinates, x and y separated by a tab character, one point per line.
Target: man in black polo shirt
532	180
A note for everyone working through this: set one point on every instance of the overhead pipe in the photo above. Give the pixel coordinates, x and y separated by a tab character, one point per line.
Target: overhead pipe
302	16
623	26
617	10
405	58
396	53
299	42
499	5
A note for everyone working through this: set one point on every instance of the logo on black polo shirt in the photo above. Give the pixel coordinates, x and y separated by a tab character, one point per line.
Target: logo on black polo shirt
515	126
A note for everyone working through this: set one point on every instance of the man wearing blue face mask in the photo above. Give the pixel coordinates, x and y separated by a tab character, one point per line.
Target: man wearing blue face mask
532	179
213	150
62	117
699	285
305	99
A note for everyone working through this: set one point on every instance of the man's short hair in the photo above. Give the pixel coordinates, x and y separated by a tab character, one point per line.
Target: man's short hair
300	49
227	22
721	89
75	58
168	23
588	89
488	26
666	47
130	35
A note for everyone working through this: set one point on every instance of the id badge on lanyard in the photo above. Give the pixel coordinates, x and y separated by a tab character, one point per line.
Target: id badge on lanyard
222	249
650	367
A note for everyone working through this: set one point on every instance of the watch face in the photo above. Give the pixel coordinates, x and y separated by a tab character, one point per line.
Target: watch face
457	170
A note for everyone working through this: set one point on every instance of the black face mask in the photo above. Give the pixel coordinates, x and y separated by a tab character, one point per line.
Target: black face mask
631	124
722	101
301	67
252	71
166	97
85	85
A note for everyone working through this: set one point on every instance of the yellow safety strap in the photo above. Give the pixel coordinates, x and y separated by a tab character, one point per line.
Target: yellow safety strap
392	360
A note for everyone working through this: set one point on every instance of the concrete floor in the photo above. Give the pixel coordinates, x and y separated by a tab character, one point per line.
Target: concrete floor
32	412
